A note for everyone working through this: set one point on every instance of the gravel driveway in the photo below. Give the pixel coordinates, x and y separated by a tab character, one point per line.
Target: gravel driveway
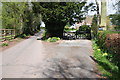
34	58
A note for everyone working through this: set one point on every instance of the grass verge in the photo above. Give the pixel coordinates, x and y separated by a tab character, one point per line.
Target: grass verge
4	44
105	66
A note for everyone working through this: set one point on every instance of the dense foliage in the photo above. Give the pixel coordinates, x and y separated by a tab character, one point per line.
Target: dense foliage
105	39
106	67
57	14
84	28
67	28
25	17
20	16
94	26
108	42
4	44
115	19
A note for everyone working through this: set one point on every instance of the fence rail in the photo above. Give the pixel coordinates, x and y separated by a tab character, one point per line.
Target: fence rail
7	34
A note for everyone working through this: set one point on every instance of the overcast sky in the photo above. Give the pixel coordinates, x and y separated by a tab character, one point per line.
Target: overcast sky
110	8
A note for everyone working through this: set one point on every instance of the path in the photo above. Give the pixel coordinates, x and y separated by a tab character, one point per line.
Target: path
33	58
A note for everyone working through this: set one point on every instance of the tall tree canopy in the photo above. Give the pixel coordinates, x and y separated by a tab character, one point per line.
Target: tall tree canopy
25	17
57	14
115	19
19	16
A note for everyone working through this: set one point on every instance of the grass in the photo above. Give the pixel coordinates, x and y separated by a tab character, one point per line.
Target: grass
10	37
50	39
44	36
4	44
105	66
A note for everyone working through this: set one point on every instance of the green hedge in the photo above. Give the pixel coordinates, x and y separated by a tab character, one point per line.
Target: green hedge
106	68
110	38
101	37
84	28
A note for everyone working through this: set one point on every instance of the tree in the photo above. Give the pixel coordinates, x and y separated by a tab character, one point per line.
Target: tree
115	19
12	14
94	25
57	14
20	16
117	6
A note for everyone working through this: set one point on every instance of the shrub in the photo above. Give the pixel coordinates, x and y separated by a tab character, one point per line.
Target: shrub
23	35
53	39
4	44
94	26
45	35
117	28
67	28
112	42
104	38
106	68
109	41
84	28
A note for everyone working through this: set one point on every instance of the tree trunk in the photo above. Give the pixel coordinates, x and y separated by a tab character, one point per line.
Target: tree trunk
55	29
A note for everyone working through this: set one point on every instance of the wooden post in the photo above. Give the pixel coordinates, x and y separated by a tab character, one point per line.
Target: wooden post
7	32
11	33
14	33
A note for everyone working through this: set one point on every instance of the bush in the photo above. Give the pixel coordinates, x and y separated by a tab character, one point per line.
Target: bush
45	35
117	28
103	37
112	43
53	39
4	44
106	68
109	41
84	28
23	35
67	28
94	26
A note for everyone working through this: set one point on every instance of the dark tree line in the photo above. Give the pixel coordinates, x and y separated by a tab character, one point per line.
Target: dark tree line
25	17
20	16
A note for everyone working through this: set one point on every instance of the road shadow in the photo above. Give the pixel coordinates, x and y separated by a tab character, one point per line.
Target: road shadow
68	71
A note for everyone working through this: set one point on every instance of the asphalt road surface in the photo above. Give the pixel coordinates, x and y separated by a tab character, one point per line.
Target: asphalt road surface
34	58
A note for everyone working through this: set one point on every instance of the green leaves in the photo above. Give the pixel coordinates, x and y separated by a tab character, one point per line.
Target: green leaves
106	67
26	19
4	44
59	11
115	19
20	16
12	14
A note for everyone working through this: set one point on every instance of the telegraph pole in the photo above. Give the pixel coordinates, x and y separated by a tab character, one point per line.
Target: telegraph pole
103	22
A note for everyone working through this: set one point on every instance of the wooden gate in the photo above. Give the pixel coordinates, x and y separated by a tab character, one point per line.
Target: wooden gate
83	34
79	34
6	34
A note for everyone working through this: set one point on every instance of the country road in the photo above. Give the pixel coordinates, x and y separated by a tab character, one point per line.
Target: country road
34	58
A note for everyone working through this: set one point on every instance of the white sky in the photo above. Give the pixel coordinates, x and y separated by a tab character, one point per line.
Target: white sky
110	8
